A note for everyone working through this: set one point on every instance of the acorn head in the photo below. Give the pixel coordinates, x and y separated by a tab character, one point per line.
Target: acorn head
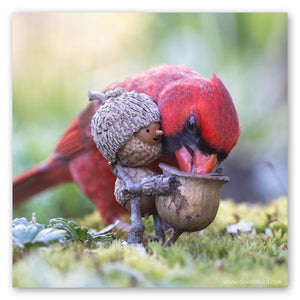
126	117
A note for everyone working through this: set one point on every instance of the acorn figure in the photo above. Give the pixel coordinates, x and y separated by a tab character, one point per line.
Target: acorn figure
126	130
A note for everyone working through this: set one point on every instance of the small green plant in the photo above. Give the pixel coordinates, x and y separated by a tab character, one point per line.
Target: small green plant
74	232
30	233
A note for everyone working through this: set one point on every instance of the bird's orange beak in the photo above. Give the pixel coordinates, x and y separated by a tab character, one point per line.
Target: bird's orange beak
197	162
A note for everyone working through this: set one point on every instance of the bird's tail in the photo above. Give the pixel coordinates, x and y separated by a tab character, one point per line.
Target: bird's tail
45	175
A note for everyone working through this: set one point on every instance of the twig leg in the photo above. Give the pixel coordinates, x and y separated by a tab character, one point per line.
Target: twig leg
159	228
136	232
175	234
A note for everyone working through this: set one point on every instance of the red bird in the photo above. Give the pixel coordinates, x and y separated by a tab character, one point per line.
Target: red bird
199	122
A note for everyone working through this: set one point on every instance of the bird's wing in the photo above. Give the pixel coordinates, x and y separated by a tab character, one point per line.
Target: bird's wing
77	138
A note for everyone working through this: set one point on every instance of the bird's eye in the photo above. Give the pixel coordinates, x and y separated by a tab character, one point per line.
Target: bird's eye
191	125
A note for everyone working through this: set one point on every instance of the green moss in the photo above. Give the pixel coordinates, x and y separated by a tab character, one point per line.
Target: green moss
210	258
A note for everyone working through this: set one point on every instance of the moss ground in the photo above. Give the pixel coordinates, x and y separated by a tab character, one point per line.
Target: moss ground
210	258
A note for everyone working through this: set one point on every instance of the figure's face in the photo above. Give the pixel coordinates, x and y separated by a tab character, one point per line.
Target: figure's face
151	134
143	147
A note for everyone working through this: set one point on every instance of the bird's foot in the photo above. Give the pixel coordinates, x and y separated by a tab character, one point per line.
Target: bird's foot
122	225
175	234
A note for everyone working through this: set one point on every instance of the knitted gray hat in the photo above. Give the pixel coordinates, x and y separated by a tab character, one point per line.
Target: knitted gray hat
121	115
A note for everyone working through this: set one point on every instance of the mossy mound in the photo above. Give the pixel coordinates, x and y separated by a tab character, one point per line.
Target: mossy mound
210	258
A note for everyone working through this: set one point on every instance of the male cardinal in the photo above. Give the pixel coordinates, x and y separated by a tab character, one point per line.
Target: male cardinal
199	122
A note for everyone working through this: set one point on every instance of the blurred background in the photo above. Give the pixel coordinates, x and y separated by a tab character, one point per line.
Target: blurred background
58	57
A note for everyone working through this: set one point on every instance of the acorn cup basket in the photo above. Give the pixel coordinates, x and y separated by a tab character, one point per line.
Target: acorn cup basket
193	205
